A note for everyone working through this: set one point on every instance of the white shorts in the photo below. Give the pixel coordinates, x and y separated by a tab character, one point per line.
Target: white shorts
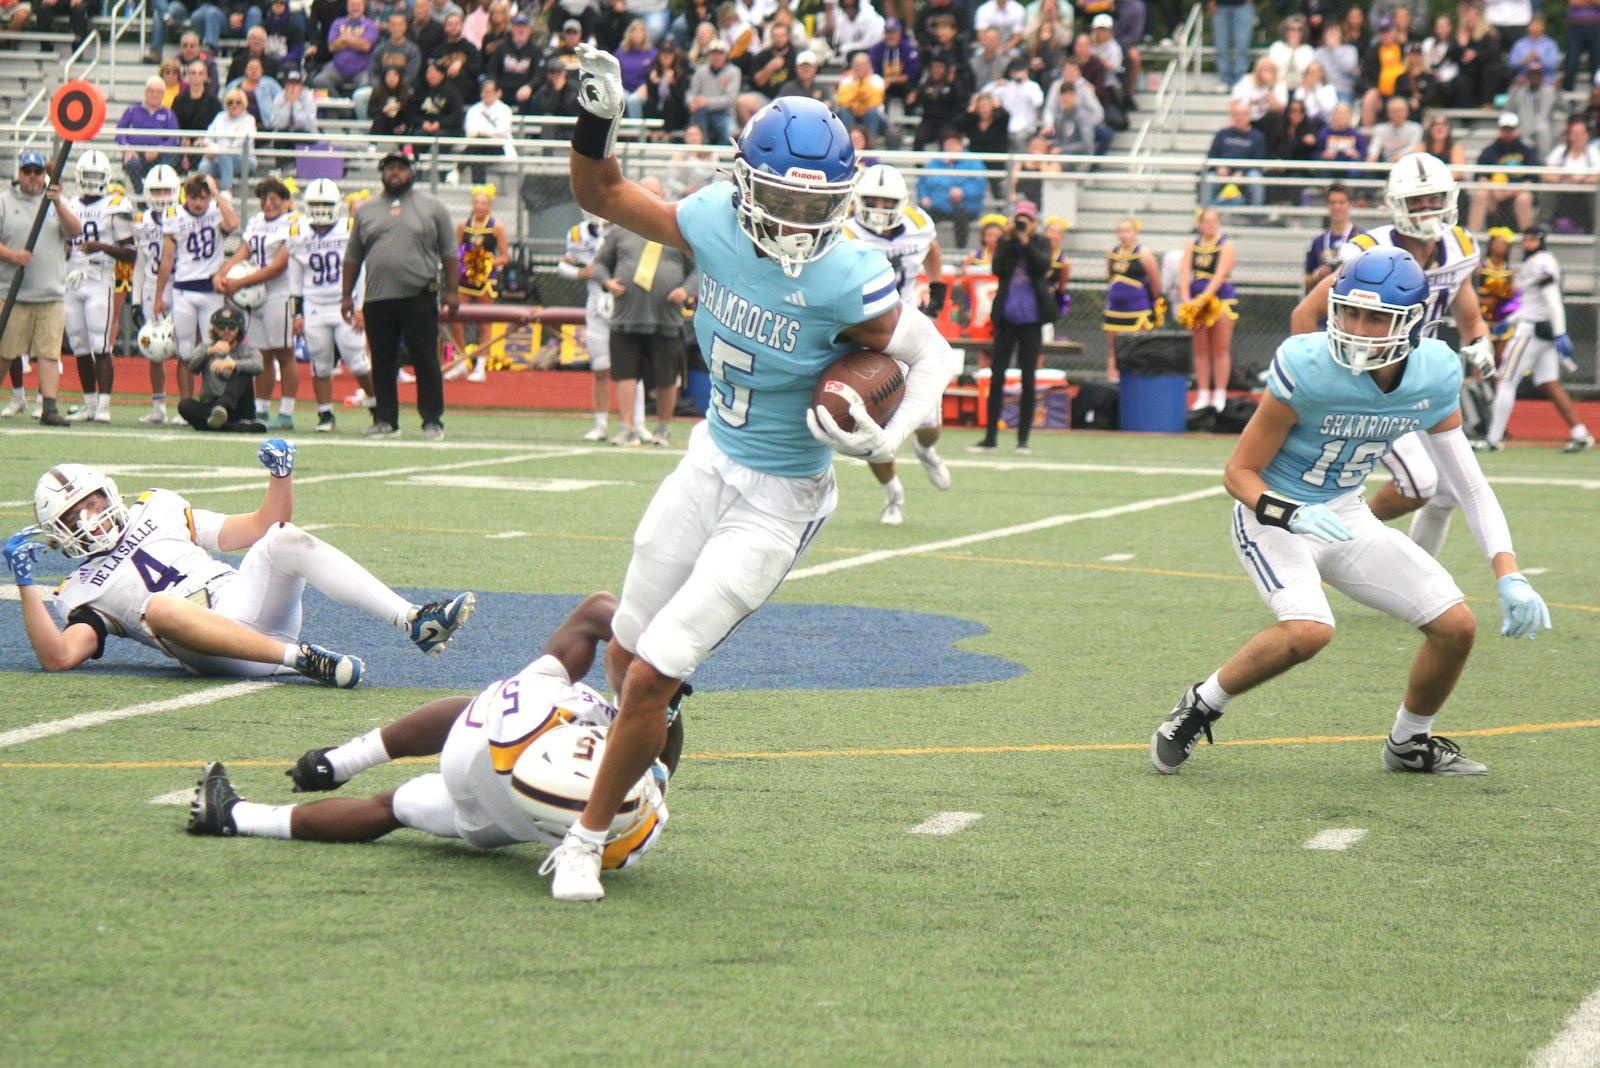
260	597
714	544
270	325
597	339
1378	567
328	335
88	315
191	319
1526	354
468	799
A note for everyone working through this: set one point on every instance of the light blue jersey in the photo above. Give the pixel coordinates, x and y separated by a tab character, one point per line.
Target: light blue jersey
1346	422
767	337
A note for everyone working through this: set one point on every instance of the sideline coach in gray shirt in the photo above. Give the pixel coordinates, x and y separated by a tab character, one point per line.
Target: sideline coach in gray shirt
39	316
405	239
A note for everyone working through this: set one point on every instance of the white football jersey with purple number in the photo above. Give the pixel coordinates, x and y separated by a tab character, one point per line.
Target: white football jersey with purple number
107	219
264	237
1454	261
160	551
199	239
316	260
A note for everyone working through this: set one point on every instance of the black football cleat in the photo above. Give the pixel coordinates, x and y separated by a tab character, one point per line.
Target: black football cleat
211	812
312	774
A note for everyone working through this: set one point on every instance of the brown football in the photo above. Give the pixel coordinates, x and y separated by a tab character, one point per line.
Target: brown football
876	378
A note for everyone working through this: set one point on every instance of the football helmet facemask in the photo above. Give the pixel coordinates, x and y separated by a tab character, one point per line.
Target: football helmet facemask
881	197
58	501
161	187
94	173
322	201
1421	197
1383	286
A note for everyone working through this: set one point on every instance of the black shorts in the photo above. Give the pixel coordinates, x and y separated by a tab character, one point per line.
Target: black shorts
657	358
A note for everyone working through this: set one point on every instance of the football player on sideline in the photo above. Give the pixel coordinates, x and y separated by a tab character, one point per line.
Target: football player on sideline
149	573
265	248
1335	401
106	240
781	298
161	188
317	240
477	740
1421	197
885	220
191	257
1539	346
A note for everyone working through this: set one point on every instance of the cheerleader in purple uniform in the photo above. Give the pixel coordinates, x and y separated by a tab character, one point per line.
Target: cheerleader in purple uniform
1133	301
1210	313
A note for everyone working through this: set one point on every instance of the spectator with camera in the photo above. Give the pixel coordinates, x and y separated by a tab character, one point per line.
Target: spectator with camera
1023	302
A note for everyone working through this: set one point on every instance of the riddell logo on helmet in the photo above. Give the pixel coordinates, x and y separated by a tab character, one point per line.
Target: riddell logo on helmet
813	176
1365	295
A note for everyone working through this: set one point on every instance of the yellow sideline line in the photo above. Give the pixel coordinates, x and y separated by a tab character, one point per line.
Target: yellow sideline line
957	750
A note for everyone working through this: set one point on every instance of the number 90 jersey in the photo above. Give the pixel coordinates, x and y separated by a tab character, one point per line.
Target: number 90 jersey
162	550
1346	422
199	240
316	260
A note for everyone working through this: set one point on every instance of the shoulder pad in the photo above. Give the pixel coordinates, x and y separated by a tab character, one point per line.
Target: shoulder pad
849	232
576	234
294	226
1364	241
145	496
1466	242
917	218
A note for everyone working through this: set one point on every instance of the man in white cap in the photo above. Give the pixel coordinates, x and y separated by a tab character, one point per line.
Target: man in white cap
1507	150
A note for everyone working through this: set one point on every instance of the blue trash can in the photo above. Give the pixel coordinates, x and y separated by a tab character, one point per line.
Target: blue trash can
1153	403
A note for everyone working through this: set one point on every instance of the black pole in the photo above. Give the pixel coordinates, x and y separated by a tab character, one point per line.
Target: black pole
54	175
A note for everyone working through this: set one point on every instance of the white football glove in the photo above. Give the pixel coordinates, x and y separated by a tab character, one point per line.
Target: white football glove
867	441
1480	354
600	82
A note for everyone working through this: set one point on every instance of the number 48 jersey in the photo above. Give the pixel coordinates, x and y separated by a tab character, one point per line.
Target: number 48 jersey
199	241
1346	423
316	260
162	550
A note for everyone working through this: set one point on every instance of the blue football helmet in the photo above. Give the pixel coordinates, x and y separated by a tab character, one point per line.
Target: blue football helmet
796	173
1383	285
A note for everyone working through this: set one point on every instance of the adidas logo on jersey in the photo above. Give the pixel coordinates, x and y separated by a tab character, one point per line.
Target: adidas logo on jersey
1421	405
797	298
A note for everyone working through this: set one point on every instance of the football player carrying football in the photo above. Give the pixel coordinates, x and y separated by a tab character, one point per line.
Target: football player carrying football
478	741
148	573
1335	402
780	298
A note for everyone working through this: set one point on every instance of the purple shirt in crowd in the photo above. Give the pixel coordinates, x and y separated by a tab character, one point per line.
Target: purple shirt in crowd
137	118
1022	304
349	62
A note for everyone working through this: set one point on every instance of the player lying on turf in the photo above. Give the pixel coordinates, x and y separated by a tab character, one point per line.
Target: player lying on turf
148	573
1335	402
478	741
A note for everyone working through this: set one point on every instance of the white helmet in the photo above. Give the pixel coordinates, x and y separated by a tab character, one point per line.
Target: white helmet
322	199
550	784
161	187
94	173
158	341
251	296
1415	177
881	182
55	506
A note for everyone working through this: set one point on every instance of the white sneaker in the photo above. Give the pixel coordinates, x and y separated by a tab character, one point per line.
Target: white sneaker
177	420
575	870
933	464
596	433
894	512
103	417
156	416
16	407
79	414
38	406
478	376
404	377
627	438
1202	400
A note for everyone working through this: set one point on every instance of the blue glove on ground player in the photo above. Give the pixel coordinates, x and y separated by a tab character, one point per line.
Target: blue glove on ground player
1564	346
277	456
1320	522
866	442
20	552
1523	612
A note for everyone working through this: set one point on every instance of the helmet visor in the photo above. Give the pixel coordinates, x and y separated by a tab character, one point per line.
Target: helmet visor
790	204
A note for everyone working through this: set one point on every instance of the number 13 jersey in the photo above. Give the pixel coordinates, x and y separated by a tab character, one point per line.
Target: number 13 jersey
162	550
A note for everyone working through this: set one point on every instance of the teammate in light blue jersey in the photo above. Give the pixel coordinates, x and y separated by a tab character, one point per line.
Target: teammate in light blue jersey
781	297
1336	400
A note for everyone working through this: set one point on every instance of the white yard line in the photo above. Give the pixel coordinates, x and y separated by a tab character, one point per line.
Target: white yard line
46	729
176	797
1578	1044
1336	839
1004	532
946	823
1117	558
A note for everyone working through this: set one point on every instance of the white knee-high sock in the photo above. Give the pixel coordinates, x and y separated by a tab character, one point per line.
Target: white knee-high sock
1505	399
1430	524
357	755
254	820
298	554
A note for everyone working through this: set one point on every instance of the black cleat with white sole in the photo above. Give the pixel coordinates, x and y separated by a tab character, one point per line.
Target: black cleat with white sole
1180	732
1429	755
211	811
312	774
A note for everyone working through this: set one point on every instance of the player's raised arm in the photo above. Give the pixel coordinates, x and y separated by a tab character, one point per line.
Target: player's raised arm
245	529
597	181
573	642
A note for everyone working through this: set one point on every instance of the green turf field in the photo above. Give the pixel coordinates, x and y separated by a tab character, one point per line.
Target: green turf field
1096	914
